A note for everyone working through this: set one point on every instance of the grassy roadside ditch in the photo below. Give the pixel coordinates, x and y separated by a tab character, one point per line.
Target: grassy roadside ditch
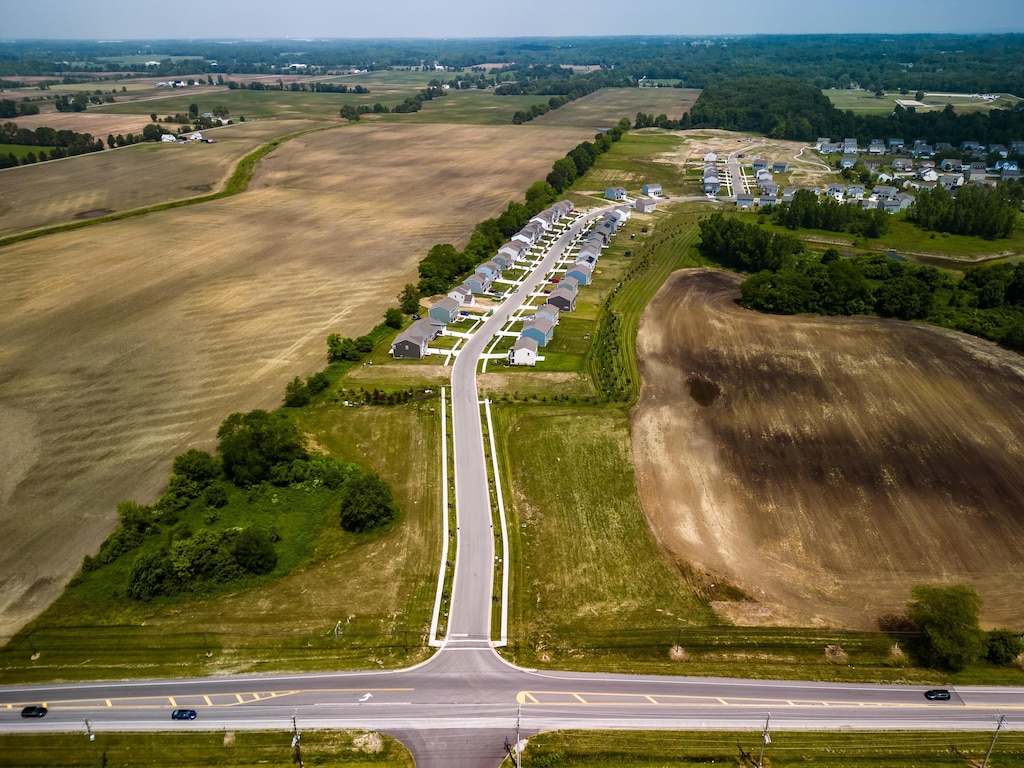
825	749
354	749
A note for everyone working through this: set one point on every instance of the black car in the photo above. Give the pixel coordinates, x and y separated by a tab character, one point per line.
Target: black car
183	714
939	694
33	712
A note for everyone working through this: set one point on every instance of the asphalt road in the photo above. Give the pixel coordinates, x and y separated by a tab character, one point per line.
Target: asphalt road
458	708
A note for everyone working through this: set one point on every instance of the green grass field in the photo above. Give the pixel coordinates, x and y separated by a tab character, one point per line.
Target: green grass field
20	150
823	749
353	749
865	102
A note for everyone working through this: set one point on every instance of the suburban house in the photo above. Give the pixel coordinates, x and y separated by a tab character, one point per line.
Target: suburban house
590	250
822	140
529	234
503	261
850	147
564	208
412	342
490	268
760	164
895	145
905	199
709	157
922	150
884	192
848	162
564	299
462	294
711	186
855	191
540	329
582	273
744	201
523	352
514	250
651	189
970	146
889	206
644	204
571	283
549	311
829	148
780	167
876	147
546	219
951	181
615	193
478	283
445	311
765	200
836	190
768	187
902	164
951	166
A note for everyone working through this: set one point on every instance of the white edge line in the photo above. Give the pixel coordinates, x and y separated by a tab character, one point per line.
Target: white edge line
444	522
504	528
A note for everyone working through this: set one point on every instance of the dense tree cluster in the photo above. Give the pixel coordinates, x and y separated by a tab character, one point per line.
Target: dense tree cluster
809	212
735	244
9	108
252	444
52	143
367	504
988	212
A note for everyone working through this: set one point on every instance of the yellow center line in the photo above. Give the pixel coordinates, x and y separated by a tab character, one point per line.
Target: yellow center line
651	699
579	698
208	702
173	702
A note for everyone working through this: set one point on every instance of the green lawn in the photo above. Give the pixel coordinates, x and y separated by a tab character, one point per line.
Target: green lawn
353	749
824	749
21	150
865	102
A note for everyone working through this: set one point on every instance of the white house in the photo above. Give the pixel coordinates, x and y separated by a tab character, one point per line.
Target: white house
523	352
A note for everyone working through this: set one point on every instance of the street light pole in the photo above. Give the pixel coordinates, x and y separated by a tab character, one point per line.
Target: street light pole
766	739
999	725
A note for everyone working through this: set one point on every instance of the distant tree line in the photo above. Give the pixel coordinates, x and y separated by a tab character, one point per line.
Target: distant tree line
785	108
986	301
9	108
52	143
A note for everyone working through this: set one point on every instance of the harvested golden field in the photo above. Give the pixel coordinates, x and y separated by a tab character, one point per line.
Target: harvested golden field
826	465
601	109
64	191
124	344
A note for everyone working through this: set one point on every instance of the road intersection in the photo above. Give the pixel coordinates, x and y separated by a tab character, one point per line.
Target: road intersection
459	707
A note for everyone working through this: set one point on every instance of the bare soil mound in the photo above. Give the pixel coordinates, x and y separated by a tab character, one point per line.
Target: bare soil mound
826	465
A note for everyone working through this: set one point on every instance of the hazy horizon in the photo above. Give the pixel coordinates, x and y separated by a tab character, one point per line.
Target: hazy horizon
462	19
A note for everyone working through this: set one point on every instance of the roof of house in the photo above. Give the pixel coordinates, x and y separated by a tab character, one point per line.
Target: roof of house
542	324
449	304
525	342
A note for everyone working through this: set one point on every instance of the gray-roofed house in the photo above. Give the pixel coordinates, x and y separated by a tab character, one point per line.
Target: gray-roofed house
503	261
644	204
615	193
836	190
564	299
571	283
540	329
514	250
711	185
848	162
744	201
412	342
523	352
490	268
905	199
478	283
549	311
529	234
856	191
582	273
445	311
780	166
461	294
885	192
651	189
903	164
765	200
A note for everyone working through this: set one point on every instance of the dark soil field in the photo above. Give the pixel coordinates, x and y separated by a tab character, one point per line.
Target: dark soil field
826	465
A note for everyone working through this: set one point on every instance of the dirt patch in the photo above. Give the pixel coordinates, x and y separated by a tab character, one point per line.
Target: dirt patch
124	344
842	461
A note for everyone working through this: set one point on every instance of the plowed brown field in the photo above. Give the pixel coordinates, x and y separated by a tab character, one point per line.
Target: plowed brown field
826	465
123	344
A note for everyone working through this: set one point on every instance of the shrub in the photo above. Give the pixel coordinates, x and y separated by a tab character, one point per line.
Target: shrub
367	504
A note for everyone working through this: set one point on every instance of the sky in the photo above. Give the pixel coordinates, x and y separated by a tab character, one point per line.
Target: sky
254	19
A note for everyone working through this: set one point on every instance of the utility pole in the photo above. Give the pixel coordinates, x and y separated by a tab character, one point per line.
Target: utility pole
296	737
766	739
92	742
999	725
519	751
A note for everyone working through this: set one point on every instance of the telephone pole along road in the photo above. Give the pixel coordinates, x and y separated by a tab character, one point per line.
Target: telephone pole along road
457	708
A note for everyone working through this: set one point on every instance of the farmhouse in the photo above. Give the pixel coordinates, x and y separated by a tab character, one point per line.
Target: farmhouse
651	189
412	342
540	329
445	311
615	193
523	352
644	204
564	299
